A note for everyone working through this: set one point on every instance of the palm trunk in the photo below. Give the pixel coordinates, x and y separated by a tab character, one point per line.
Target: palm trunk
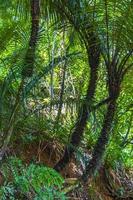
26	72
102	142
93	56
30	55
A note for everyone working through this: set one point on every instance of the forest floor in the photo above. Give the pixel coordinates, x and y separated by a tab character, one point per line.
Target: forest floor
108	185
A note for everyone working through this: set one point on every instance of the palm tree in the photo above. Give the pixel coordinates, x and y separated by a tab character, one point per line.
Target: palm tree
75	13
27	70
117	54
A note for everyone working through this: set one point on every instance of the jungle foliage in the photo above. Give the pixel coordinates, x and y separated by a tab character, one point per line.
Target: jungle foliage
66	72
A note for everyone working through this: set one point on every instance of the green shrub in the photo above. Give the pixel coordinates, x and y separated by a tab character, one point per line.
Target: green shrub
30	182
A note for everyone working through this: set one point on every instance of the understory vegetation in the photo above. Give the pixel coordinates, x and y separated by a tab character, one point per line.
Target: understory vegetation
66	103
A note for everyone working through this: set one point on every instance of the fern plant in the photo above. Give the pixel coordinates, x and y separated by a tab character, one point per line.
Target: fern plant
31	182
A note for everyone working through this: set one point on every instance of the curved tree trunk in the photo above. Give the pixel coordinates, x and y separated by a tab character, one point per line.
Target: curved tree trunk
103	140
93	57
114	83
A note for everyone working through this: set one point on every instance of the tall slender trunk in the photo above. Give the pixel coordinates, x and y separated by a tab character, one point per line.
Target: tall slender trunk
102	142
62	87
11	122
61	96
77	134
29	61
26	72
114	83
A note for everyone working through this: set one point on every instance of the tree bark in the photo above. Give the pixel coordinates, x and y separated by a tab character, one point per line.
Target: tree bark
77	134
102	142
29	62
